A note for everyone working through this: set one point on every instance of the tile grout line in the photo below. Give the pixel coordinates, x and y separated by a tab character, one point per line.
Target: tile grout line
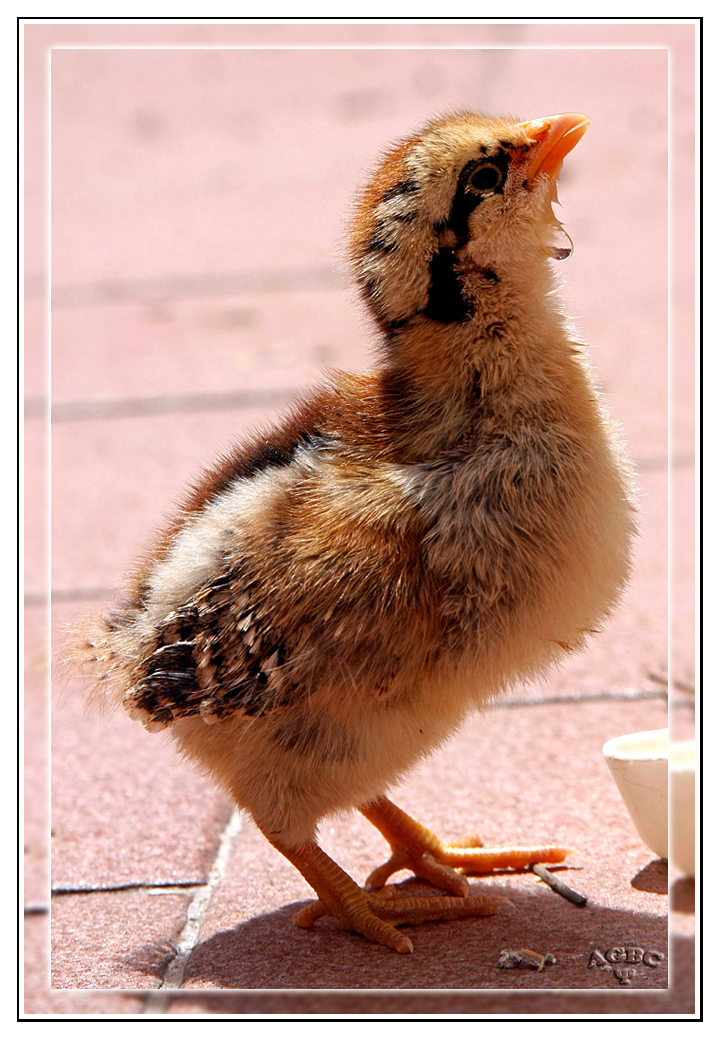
157	1001
167	404
166	288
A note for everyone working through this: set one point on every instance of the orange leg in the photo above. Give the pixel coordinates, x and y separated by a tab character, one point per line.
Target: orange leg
374	916
418	849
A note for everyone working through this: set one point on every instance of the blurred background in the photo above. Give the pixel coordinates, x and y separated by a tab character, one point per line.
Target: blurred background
199	197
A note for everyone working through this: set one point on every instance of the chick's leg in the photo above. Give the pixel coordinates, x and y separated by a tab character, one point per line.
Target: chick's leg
416	848
357	910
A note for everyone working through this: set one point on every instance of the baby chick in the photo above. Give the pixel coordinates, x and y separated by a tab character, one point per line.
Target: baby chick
337	595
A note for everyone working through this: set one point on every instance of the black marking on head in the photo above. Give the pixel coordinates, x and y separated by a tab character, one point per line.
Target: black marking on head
466	198
402	188
446	302
474	391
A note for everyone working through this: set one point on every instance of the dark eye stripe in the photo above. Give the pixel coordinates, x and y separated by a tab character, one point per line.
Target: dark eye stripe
446	302
465	200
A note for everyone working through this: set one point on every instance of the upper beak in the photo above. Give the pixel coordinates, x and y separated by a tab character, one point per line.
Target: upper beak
556	136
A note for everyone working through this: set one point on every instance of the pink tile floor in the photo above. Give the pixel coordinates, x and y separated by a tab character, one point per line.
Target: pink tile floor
199	199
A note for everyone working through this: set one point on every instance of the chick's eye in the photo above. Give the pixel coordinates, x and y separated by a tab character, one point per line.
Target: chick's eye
485	178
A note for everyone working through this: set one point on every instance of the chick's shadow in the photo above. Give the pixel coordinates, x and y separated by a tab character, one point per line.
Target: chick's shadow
269	952
677	999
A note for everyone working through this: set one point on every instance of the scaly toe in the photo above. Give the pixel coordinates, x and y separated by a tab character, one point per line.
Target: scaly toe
441	875
378	877
437	908
486	860
379	917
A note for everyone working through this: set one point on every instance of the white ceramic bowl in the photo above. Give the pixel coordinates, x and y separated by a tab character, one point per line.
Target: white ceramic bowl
639	765
682	770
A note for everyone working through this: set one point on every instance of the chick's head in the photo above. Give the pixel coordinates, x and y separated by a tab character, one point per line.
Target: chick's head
476	187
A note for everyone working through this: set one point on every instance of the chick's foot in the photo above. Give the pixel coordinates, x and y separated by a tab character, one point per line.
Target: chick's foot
416	848
375	916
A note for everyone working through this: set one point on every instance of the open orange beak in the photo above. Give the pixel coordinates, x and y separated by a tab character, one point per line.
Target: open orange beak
556	136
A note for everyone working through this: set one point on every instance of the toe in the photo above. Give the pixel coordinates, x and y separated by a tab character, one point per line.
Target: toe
437	908
442	876
305	917
381	874
370	924
486	860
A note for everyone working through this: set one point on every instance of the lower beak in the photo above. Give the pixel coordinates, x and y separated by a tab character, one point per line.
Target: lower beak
555	137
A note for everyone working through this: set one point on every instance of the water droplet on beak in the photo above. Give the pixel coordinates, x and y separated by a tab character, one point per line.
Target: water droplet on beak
562	246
